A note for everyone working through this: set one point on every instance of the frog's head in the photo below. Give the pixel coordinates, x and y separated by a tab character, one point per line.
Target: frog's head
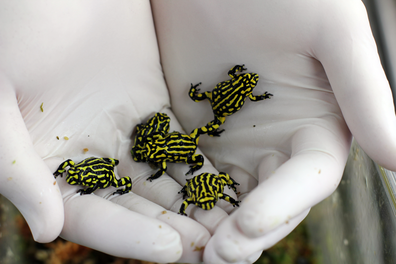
161	122
254	79
224	177
114	162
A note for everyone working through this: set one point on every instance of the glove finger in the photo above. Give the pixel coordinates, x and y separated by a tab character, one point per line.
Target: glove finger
358	80
194	236
310	175
105	226
25	179
231	245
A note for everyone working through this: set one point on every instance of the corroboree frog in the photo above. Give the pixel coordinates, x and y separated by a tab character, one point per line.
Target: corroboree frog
173	147
154	145
205	190
157	125
95	173
228	97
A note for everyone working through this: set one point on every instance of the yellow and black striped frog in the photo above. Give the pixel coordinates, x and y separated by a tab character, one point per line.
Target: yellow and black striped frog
174	147
206	189
155	126
228	97
95	173
156	146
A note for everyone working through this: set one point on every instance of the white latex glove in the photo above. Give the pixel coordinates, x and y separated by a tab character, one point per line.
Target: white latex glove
75	79
319	60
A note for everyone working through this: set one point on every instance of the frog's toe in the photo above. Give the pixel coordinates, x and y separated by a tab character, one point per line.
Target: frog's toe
81	191
120	192
267	95
215	133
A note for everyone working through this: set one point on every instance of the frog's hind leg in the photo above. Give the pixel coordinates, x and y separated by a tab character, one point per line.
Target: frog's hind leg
159	172
264	96
213	126
124	181
184	206
62	167
196	159
195	96
229	199
211	129
237	68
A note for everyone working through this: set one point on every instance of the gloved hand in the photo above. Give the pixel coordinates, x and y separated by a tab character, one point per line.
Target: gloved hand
75	80
320	62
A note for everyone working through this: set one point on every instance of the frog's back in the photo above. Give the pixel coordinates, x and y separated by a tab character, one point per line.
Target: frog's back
229	96
179	144
92	167
206	185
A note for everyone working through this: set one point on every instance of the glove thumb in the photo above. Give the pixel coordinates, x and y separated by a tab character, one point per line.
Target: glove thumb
25	180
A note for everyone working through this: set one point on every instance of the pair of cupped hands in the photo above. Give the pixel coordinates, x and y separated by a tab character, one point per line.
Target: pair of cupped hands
97	69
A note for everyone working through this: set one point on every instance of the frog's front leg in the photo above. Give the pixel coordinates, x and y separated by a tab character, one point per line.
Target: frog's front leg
195	96
229	199
227	180
184	206
183	191
124	181
159	173
266	95
62	167
235	69
198	160
89	190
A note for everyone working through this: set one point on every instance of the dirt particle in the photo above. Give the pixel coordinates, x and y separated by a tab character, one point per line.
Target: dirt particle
65	138
319	171
254	125
160	226
198	248
57	137
85	150
54	182
41	107
9	178
14	161
192	244
164	212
